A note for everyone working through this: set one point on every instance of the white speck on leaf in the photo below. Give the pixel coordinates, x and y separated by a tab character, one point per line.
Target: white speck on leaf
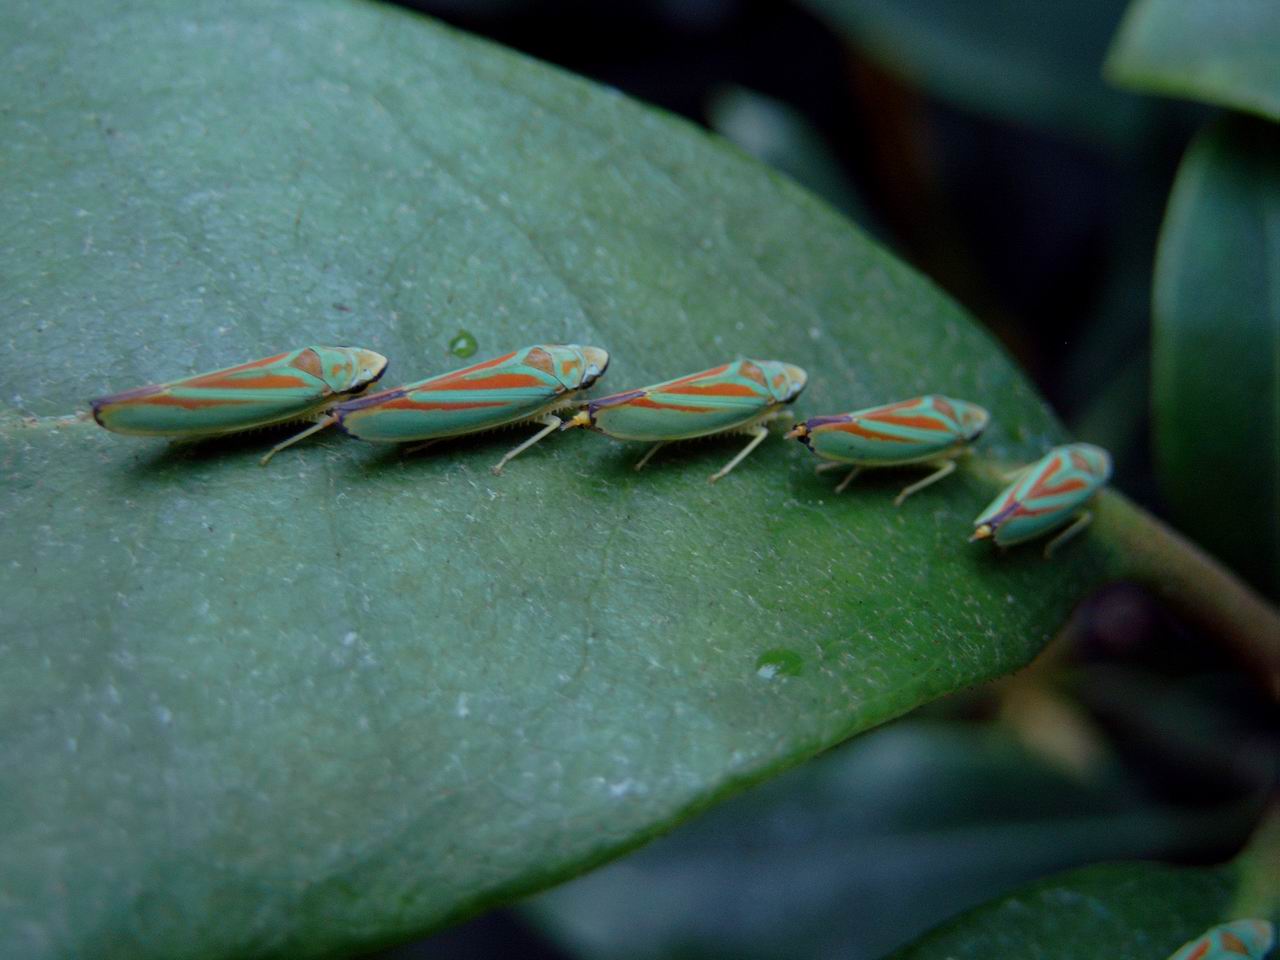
623	787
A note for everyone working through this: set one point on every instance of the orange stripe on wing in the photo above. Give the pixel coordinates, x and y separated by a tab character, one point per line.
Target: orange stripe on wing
406	403
1233	944
270	381
482	365
1075	483
1043	488
1080	463
647	404
199	381
920	423
860	431
715	390
1067	487
713	372
498	381
894	407
1036	488
189	403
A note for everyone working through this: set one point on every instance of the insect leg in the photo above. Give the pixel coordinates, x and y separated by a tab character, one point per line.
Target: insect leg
758	433
828	466
945	470
314	428
549	423
652	450
840	487
1080	523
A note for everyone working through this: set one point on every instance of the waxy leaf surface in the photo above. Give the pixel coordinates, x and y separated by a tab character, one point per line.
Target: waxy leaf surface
1024	62
308	709
1218	51
1127	911
1217	347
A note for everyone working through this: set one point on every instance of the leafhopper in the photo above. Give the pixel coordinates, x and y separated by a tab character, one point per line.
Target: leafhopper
297	385
525	386
931	430
1237	940
739	397
1044	496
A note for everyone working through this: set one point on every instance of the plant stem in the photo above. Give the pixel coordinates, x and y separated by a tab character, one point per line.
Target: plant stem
1192	583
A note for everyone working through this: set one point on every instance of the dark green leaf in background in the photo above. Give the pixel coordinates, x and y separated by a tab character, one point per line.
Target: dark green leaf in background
1217	347
340	701
777	134
1121	911
1034	62
1125	911
1219	51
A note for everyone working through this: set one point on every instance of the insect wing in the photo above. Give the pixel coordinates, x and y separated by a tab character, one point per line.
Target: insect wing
1045	496
272	390
489	394
903	432
718	399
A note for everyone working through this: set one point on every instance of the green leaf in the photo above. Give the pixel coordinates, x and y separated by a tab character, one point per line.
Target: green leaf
340	701
1216	364
865	848
1033	62
1135	911
1126	911
1218	51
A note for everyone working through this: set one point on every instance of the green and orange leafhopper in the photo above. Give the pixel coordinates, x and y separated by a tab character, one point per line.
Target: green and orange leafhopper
1237	940
297	385
1044	496
931	430
738	397
524	386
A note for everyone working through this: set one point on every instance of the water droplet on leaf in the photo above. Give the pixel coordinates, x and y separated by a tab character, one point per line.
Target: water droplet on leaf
463	344
779	663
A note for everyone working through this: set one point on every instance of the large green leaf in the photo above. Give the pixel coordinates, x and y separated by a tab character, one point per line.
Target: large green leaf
1122	911
1217	347
1126	911
1219	51
345	699
1033	62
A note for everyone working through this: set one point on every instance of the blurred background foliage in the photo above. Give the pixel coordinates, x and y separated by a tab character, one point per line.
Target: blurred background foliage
1014	151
